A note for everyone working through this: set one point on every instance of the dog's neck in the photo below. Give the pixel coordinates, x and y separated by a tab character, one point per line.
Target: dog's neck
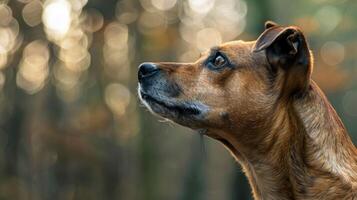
306	146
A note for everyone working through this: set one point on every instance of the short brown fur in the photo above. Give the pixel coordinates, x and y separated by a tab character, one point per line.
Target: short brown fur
272	117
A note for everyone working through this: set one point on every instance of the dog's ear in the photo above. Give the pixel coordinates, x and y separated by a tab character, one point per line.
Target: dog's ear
286	48
269	24
274	35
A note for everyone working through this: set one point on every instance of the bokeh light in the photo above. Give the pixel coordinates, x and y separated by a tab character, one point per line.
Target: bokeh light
8	31
116	50
93	20
328	17
206	23
201	6
164	4
57	17
32	13
117	97
126	12
5	14
207	38
332	53
33	70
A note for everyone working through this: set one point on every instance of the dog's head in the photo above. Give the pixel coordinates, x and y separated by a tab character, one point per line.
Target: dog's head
235	85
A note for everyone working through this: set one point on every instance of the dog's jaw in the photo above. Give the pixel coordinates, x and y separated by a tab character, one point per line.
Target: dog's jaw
187	113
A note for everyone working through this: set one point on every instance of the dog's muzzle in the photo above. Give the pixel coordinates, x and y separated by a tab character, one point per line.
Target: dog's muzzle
161	96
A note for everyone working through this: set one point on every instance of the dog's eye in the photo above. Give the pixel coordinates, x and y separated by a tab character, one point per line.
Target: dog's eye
219	61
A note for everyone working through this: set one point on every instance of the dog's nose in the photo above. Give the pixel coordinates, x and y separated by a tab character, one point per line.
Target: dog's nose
146	70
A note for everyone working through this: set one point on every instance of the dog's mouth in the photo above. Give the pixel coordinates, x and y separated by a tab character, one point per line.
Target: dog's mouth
171	108
181	109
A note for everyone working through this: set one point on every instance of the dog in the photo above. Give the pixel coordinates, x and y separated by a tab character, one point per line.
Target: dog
258	99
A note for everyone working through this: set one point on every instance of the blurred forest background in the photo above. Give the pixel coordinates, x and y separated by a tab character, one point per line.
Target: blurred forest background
71	125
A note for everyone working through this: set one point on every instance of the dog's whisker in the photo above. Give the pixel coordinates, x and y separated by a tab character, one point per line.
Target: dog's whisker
163	120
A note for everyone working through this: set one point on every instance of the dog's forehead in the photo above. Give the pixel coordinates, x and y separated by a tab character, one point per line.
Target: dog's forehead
238	49
237	45
231	46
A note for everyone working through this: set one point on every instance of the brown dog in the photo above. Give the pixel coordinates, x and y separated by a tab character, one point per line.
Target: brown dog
258	99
